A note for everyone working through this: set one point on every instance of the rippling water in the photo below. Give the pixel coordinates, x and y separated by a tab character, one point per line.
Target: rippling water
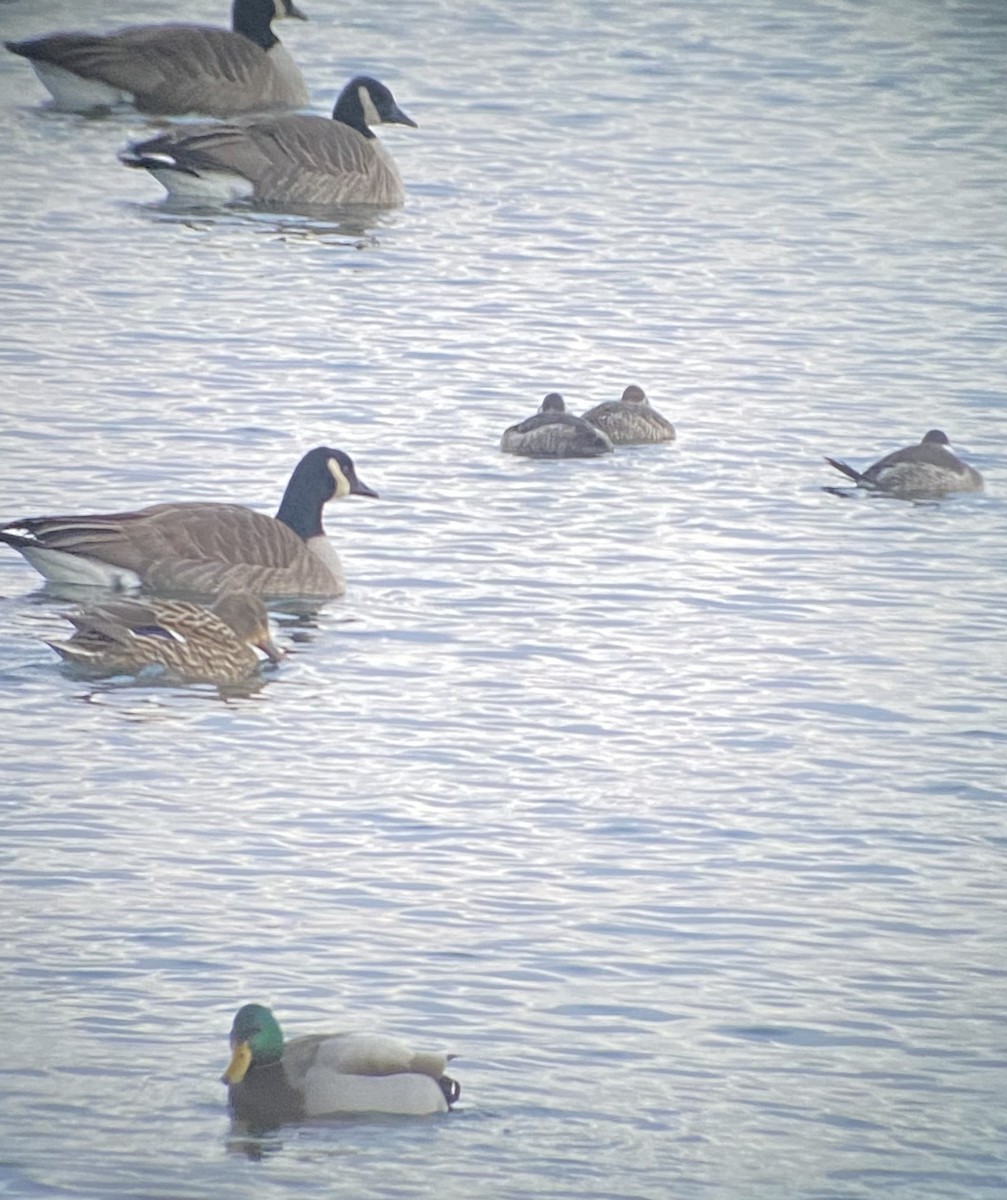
667	790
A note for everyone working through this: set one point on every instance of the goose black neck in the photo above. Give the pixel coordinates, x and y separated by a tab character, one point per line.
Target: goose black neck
253	19
350	111
301	506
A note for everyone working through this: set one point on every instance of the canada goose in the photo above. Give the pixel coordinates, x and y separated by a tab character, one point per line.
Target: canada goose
271	1081
924	471
292	159
202	548
554	433
214	645
631	421
173	68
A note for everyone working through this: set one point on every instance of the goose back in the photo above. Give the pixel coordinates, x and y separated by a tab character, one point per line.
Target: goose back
202	548
173	68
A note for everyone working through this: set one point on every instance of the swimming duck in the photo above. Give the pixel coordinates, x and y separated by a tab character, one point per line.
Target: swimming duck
174	68
271	1081
188	641
631	421
555	433
292	159
202	548
924	471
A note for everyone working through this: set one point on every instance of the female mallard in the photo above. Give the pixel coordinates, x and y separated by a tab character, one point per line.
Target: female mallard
554	433
925	471
202	548
295	159
208	645
271	1081
631	421
176	68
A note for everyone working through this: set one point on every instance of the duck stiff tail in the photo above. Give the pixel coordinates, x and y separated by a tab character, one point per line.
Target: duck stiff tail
847	470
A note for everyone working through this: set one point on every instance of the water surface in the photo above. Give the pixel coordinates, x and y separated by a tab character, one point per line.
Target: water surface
666	789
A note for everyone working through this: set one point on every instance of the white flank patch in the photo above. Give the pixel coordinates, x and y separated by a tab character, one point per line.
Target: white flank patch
211	187
72	93
404	1094
61	567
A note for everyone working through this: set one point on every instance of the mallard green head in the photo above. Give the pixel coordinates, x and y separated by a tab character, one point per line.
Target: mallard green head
256	1039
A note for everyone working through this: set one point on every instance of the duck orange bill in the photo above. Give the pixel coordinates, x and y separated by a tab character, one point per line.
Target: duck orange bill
270	649
237	1068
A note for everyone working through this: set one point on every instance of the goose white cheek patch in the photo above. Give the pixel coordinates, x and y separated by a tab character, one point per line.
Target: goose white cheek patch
371	114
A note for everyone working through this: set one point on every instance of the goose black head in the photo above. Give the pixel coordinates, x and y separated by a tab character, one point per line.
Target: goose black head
365	102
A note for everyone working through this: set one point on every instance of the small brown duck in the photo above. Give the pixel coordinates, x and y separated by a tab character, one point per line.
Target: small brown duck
631	421
185	640
925	471
553	432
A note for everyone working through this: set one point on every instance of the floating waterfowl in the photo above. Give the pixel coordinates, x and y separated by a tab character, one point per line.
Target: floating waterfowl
555	433
202	548
272	1082
185	640
174	68
291	159
631	421
925	471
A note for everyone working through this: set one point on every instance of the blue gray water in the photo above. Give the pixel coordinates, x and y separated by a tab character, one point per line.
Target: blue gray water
667	790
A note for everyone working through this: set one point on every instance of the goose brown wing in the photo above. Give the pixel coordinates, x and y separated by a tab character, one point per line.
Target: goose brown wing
168	68
133	540
199	548
204	548
316	160
202	70
209	148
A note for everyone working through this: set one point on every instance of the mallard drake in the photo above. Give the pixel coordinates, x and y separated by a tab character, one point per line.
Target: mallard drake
202	548
555	433
292	159
924	471
173	68
271	1081
188	641
631	420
